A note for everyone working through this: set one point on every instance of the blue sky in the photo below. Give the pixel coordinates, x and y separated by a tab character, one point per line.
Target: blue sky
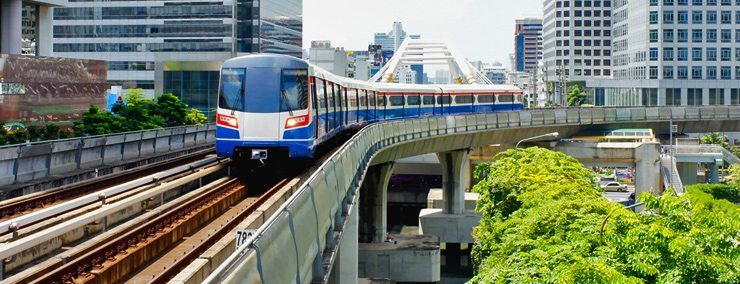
479	29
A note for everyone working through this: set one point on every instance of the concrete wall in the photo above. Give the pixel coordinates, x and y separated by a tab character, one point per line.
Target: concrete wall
28	162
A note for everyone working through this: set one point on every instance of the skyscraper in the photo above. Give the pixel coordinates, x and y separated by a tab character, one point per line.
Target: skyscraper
577	35
175	46
393	39
673	52
527	44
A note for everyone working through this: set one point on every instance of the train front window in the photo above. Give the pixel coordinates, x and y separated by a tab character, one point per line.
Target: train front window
231	94
294	92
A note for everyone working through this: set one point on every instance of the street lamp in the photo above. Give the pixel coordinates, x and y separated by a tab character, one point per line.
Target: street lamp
548	135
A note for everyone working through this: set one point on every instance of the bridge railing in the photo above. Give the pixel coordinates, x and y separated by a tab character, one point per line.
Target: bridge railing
290	245
33	161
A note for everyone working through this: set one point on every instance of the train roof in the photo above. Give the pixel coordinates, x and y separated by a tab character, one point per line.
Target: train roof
285	61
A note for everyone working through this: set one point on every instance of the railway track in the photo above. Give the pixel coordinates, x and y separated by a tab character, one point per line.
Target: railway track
18	206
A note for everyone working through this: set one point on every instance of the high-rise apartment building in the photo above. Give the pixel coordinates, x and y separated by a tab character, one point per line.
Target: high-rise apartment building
673	52
578	35
175	46
527	44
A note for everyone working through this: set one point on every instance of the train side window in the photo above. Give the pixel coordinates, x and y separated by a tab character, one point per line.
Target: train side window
353	99
428	100
444	100
397	100
485	99
413	100
363	98
372	99
505	98
463	99
381	100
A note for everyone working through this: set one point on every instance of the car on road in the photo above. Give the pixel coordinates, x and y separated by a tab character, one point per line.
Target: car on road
615	186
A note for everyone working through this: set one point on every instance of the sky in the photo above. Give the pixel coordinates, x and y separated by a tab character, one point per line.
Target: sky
478	29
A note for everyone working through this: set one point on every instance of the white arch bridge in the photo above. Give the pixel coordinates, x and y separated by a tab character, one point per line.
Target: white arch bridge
313	236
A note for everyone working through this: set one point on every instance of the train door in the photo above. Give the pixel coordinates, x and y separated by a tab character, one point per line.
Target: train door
314	107
332	108
413	102
322	121
340	106
372	102
262	94
443	104
427	105
362	116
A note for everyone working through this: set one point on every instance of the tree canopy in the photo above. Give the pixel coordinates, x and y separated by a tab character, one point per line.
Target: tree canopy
576	95
545	221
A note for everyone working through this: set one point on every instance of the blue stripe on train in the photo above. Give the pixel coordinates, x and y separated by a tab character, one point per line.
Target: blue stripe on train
298	149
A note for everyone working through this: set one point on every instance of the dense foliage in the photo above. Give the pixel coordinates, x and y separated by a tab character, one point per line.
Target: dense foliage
729	192
544	221
576	95
135	113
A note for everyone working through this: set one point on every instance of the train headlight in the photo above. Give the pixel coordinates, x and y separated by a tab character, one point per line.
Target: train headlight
296	121
228	121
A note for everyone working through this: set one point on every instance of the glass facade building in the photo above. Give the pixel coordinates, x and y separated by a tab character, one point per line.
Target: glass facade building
527	44
139	38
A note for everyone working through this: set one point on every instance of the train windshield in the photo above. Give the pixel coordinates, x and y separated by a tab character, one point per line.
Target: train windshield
231	94
294	90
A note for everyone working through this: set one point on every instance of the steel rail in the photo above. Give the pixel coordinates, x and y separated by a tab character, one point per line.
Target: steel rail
7	250
96	258
53	211
22	204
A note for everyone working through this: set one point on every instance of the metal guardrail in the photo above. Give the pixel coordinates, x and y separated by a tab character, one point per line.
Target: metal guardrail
671	178
707	149
290	244
32	161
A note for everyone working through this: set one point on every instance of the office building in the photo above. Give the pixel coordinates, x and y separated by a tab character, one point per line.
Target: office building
334	60
527	44
494	72
175	46
392	40
577	35
673	52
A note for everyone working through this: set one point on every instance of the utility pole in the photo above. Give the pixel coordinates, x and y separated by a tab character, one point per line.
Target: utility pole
546	82
563	87
533	93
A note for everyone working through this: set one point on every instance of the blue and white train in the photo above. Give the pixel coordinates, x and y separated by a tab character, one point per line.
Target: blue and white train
272	105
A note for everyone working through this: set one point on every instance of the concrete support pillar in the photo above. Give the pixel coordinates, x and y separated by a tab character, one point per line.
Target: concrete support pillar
44	31
373	203
455	179
647	168
714	171
10	26
687	172
345	266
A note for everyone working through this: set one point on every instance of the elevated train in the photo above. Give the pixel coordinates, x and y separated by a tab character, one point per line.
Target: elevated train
275	105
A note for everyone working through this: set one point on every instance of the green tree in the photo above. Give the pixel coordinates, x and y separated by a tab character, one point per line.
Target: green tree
96	122
544	221
716	139
195	117
576	95
171	109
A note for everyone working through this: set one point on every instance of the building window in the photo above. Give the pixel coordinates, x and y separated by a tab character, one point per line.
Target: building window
668	17
735	97
711	72
653	17
683	35
683	54
697	2
696	17
716	96
683	72
653	35
672	97
726	73
726	54
653	72
667	2
696	35
667	35
711	17
696	54
726	35
683	17
711	54
737	54
653	54
726	17
696	72
694	97
711	35
649	96
668	54
667	72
